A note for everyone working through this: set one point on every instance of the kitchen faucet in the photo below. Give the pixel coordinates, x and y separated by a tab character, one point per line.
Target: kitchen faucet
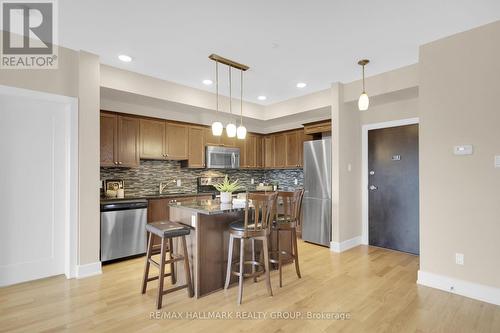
162	187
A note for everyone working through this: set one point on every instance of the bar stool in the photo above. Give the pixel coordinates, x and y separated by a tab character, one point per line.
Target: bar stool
255	226
287	221
167	230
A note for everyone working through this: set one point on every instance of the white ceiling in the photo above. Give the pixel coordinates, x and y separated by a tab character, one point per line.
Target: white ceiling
283	41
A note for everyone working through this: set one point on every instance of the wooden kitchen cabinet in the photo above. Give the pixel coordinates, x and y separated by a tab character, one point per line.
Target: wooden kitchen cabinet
177	138
196	155
292	149
128	141
251	151
152	139
242	145
227	141
119	140
108	139
280	150
210	139
268	146
258	152
303	138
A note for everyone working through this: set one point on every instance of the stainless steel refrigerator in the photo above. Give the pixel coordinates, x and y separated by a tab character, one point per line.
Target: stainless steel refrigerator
317	205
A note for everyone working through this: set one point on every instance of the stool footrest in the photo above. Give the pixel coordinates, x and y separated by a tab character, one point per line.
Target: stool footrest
167	262
257	273
171	290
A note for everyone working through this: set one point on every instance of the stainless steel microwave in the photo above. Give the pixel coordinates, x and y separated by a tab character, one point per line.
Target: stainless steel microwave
222	157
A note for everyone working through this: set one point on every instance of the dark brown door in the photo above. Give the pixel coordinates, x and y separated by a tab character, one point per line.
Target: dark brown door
393	188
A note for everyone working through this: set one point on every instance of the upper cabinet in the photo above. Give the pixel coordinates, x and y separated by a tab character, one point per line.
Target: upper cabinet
196	155
119	140
250	151
268	151
176	141
292	149
108	139
160	139
127	139
280	150
152	139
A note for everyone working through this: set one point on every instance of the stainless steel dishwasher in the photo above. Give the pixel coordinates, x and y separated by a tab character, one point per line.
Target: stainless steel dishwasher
123	229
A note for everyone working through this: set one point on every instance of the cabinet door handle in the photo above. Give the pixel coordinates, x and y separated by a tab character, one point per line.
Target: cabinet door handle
119	162
116	162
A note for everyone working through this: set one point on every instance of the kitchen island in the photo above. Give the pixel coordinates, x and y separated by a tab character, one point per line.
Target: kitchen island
208	243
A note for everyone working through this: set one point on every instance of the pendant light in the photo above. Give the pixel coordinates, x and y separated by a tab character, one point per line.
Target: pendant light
231	127
363	101
217	126
241	132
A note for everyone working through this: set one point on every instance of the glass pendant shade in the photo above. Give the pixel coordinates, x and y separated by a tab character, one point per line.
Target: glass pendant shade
241	132
231	130
363	102
217	128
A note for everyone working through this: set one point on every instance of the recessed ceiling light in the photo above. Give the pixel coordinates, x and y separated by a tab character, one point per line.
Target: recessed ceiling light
125	58
207	82
262	98
301	85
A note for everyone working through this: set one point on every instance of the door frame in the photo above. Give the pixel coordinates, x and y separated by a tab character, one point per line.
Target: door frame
364	167
71	206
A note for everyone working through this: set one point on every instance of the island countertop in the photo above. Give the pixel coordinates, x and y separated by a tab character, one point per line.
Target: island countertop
208	207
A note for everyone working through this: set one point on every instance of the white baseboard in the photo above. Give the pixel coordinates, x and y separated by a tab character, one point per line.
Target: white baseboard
473	290
83	271
345	245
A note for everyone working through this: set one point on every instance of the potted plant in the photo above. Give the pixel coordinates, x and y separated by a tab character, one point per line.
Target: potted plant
226	189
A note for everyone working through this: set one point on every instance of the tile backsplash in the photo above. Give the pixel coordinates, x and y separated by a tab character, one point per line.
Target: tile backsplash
145	179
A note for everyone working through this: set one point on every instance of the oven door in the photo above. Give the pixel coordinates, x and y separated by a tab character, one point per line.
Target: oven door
222	157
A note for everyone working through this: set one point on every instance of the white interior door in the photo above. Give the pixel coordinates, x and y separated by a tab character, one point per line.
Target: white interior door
33	188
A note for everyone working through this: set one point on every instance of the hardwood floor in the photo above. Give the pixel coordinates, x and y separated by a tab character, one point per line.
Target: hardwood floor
376	287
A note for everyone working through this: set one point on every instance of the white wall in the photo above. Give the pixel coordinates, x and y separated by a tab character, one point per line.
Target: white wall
460	195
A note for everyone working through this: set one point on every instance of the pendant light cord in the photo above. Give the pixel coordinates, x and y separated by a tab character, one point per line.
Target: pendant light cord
217	85
363	79
230	93
241	98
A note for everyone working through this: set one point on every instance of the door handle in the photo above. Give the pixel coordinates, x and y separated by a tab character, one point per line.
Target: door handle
373	187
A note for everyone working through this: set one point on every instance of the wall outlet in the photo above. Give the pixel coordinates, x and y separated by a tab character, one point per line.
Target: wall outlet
179	182
252	181
459	258
296	181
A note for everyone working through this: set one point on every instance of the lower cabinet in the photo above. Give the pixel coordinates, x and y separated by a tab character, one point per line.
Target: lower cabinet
159	210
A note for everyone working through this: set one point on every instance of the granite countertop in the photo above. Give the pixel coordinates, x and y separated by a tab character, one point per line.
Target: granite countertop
208	207
156	196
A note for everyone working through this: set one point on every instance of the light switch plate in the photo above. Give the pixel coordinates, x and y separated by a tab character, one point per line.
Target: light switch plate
463	150
179	182
497	161
459	258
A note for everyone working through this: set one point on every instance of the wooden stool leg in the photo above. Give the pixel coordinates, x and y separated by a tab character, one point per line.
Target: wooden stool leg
265	249
253	259
279	256
161	274
295	251
242	259
229	261
172	265
187	270
146	269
